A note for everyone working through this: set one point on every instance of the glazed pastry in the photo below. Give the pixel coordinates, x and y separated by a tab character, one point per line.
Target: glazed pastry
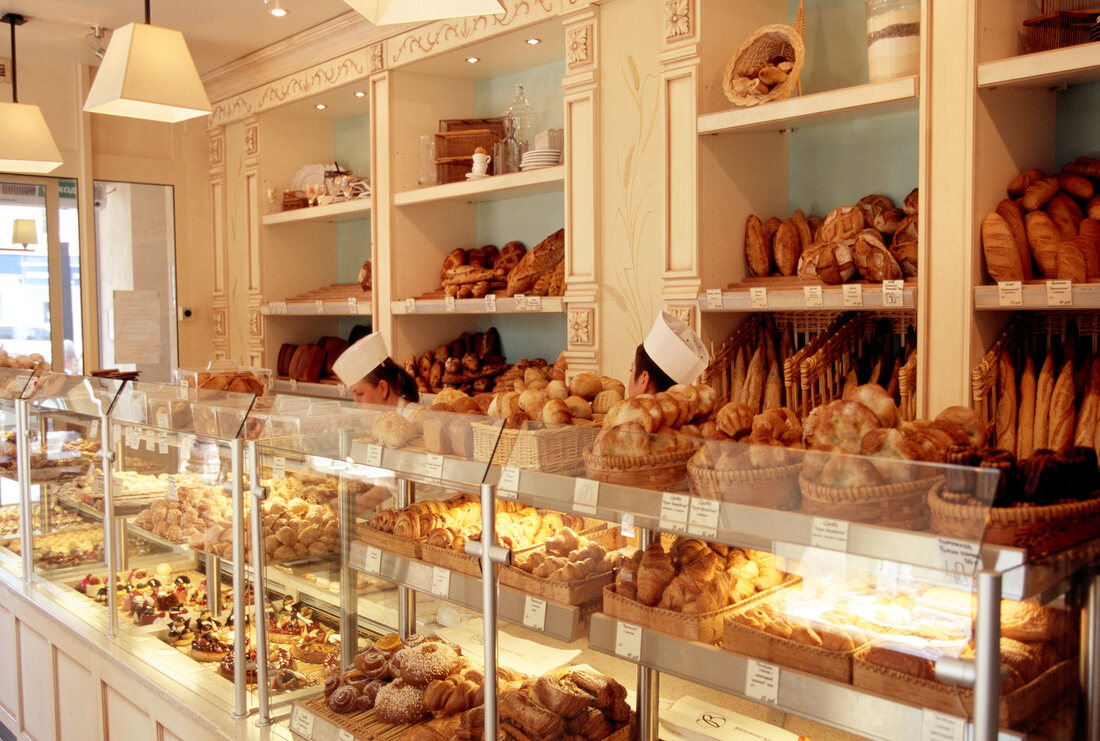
343	700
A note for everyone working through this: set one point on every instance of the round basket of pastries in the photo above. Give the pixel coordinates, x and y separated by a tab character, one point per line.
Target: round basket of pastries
567	568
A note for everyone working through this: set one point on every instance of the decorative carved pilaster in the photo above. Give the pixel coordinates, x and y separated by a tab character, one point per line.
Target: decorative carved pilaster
679	19
252	138
219	303
686	314
579	45
581	327
377	57
217	148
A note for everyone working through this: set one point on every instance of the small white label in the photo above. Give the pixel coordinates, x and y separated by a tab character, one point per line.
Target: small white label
714	298
410	306
372	562
828	533
278	468
628	641
150	440
1010	293
936	726
674	511
162	443
99	484
586	495
758	297
294	384
353	305
301	722
374	455
853	294
441	582
491	303
433	466
534	303
345	735
449	304
185	448
893	293
521	301
534	613
626	525
703	519
133	438
762	681
960	559
509	482
93	431
1059	293
813	296
162	419
319	306
173	490
341	389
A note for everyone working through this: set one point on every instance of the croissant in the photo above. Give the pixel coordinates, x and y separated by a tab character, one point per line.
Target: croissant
589	551
563	543
407	525
626	581
685	549
680	591
384	520
654	574
714	595
520	709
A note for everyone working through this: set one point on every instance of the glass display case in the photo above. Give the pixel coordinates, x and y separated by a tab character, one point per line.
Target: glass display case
12	384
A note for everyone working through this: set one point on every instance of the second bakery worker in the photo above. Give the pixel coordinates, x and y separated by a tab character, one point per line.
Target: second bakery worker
672	353
371	375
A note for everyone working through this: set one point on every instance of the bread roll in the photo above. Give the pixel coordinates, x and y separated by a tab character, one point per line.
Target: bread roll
1002	257
1077	186
912	202
873	261
1062	413
585	385
829	262
1071	262
579	408
1025	429
1044	389
842	223
1006	403
875	398
758	250
787	248
556	411
1038	193
1013	215
1044	239
603	401
1021	182
1085	431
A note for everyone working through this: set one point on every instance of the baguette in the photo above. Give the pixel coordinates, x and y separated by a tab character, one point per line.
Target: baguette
1085	432
1002	256
1006	403
755	378
545	256
1026	412
1044	389
1013	215
737	373
1060	424
773	388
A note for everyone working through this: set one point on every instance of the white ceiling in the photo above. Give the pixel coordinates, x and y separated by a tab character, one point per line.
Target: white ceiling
217	31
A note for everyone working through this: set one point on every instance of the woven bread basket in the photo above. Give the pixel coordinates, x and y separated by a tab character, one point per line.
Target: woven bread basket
774	487
763	44
662	472
903	505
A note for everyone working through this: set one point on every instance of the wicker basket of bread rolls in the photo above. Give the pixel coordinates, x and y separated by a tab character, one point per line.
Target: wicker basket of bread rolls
660	471
775	487
902	505
767	65
552	449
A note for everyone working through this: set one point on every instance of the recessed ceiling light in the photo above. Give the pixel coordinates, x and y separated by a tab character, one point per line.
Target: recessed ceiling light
320	106
359	94
278	12
275	7
472	60
533	41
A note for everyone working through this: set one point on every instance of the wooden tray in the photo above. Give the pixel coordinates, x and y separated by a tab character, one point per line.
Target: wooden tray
1019	709
408	547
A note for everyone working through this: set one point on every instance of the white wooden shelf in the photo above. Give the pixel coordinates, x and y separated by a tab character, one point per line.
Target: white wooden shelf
833	106
510	305
355	208
1073	65
1034	296
497	187
794	298
317	308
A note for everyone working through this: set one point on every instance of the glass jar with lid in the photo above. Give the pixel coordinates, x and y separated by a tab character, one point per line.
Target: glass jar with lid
893	39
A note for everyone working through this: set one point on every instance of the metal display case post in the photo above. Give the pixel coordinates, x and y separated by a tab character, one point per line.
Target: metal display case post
1090	661
240	589
649	680
406	597
110	542
214	585
259	586
987	655
349	582
23	466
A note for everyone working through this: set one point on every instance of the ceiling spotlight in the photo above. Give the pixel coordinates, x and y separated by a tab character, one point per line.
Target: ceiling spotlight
320	106
275	7
473	60
360	94
95	40
534	41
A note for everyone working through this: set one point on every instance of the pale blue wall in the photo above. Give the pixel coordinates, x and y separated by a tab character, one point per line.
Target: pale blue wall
1078	129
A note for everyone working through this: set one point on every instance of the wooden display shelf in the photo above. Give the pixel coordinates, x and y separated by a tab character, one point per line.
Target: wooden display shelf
339	299
833	106
790	294
435	303
511	185
1073	65
1034	295
349	210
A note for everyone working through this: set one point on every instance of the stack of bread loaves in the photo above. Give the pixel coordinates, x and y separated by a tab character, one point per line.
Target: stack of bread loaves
477	272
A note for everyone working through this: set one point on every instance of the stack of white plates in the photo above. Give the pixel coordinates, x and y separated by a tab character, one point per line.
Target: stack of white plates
540	158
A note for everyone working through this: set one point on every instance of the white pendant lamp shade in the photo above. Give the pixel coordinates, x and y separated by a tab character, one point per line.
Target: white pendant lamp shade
26	144
383	12
148	73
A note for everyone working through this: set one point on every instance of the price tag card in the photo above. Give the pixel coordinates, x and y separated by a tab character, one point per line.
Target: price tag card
758	297
813	296
341	389
441	582
534	303
93	431
150	440
1010	293
173	490
99	484
960	559
374	455
133	438
893	293
162	443
703	519
828	533
1059	293
626	525
278	468
319	306
449	304
762	681
345	735
410	306
301	722
936	726
586	495
509	482
162	419
521	301
185	448
674	511
534	613
433	466
491	303
853	294
353	305
372	562
294	384
714	298
628	641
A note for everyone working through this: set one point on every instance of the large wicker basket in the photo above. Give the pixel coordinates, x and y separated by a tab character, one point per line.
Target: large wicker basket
903	506
661	472
775	488
762	45
550	450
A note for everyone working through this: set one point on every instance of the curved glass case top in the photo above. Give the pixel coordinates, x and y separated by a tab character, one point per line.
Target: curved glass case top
84	395
13	381
204	412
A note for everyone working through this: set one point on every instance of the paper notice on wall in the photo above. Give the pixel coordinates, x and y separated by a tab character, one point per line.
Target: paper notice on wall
138	317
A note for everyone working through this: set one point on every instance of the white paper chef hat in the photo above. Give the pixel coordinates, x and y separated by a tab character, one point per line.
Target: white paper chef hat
676	349
361	358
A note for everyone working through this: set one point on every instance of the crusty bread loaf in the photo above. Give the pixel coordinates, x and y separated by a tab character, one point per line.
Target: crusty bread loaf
758	248
1077	186
1065	214
1071	262
545	256
456	258
805	233
1085	430
738	369
1021	182
1013	215
1025	430
1062	412
752	393
1006	403
1044	239
1002	256
1044	389
787	248
843	222
829	262
1038	193
873	261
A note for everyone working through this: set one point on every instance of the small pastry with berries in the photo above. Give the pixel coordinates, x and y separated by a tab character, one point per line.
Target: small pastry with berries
208	647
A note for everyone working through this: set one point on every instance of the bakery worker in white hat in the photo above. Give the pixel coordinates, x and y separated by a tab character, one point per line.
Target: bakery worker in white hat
672	353
371	375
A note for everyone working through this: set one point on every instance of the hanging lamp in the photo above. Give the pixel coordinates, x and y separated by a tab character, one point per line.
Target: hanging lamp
383	12
26	145
148	73
23	232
